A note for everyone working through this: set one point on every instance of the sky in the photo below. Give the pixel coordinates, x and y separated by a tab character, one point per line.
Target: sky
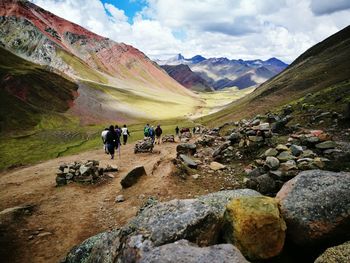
236	29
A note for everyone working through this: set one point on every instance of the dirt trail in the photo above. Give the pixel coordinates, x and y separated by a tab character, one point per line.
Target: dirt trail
74	212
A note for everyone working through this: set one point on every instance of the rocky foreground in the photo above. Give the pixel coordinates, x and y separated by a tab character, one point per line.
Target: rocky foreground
231	226
291	201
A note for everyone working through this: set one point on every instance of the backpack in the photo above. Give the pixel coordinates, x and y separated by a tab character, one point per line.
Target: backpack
146	131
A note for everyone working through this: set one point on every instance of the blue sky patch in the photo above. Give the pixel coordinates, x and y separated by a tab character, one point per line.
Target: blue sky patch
130	7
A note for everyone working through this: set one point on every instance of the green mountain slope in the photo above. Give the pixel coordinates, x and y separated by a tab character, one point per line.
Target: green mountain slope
29	91
324	66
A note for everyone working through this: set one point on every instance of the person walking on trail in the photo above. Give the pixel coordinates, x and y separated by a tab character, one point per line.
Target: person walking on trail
158	133
111	140
177	131
119	133
152	134
146	130
125	133
103	137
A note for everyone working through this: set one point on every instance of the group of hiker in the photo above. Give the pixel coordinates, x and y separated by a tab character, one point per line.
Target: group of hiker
154	134
111	138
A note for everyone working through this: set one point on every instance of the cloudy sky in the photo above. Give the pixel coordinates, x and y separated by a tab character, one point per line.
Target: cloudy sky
246	29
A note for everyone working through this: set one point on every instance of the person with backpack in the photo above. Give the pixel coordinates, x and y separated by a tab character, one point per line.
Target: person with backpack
125	133
103	137
146	130
158	132
111	140
152	134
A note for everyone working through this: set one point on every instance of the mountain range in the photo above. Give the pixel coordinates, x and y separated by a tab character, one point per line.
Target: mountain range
318	77
111	76
219	73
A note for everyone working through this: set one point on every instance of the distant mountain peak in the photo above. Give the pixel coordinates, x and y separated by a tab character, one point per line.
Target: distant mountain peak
197	59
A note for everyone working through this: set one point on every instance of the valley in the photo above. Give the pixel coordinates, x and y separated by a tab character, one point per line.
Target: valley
261	148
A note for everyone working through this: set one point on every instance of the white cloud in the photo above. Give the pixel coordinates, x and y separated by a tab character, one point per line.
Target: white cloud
244	29
116	13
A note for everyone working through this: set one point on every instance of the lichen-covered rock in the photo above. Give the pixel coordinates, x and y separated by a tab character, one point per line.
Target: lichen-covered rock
178	219
270	152
316	207
183	251
326	145
337	254
254	225
285	156
102	247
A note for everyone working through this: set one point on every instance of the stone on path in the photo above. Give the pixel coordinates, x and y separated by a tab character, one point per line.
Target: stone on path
216	166
188	161
132	177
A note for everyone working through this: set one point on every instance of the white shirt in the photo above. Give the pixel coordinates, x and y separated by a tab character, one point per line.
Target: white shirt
104	135
125	131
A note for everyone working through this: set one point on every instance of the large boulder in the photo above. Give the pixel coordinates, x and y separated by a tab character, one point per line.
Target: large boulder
197	220
132	177
337	254
183	251
316	207
254	225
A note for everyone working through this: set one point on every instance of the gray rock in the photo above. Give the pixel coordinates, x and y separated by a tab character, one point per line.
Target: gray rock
84	170
266	184
132	177
61	180
167	222
285	156
188	161
289	165
186	148
272	162
183	251
326	145
264	126
296	149
316	207
102	247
